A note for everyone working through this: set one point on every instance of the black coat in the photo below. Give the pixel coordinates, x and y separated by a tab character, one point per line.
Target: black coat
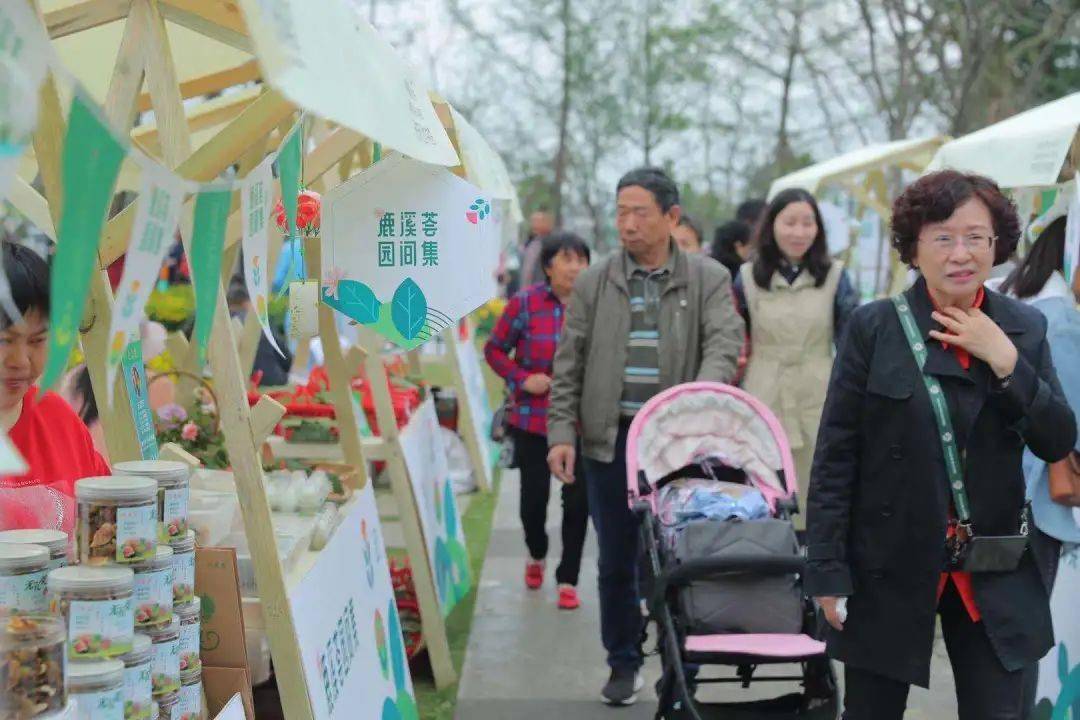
879	498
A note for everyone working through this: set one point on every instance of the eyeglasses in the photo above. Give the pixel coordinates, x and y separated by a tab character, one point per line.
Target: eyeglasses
974	242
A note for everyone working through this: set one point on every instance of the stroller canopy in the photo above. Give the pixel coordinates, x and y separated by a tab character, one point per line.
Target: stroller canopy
696	422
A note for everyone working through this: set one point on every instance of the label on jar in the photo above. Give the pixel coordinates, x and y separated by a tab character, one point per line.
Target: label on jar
183	578
153	596
136	533
101	705
138	692
58	562
189	646
166	667
24	593
100	628
174	513
189	706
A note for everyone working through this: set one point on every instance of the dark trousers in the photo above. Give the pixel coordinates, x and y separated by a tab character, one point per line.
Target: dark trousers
985	690
617	536
530	452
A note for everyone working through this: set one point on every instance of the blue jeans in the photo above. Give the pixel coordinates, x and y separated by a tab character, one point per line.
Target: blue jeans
617	536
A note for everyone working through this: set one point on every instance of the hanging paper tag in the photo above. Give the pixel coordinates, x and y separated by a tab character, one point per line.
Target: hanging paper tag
90	163
290	158
303	309
256	192
24	59
139	399
161	197
1072	235
207	245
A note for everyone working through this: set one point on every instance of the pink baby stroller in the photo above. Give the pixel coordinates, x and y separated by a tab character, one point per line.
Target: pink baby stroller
711	477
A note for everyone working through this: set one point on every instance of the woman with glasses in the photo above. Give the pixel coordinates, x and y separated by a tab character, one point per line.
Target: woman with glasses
916	503
795	301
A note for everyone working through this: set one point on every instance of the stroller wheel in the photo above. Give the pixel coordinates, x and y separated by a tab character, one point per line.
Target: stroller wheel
821	696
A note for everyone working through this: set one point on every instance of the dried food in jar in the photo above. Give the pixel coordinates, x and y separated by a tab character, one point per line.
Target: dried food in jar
190	617
153	591
165	667
31	666
96	603
116	520
97	688
172	496
23	569
184	569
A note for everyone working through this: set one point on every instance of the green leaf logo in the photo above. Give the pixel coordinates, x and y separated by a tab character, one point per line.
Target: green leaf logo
354	299
409	309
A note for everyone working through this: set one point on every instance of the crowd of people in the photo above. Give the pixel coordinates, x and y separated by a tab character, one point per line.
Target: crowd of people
894	534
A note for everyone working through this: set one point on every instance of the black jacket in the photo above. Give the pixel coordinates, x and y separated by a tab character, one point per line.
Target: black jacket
879	498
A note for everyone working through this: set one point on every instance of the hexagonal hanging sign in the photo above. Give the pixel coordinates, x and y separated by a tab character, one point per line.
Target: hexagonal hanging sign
408	249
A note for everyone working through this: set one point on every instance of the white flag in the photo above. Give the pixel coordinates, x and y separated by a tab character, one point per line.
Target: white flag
161	197
256	196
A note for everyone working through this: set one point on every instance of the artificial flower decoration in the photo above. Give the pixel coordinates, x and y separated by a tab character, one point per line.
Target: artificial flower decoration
308	214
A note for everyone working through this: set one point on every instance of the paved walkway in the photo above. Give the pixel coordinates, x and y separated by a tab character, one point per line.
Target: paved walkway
529	661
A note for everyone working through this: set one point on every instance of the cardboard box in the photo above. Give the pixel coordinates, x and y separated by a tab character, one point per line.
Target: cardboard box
222	632
220	684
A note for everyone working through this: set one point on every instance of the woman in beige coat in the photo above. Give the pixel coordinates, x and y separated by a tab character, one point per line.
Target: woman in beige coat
795	301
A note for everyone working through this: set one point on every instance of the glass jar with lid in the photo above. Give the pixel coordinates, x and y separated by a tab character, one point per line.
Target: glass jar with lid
96	604
31	666
23	569
97	688
167	705
172	496
153	592
56	541
116	520
190	705
190	617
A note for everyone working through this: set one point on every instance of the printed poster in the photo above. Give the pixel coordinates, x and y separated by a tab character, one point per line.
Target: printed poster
348	626
429	475
479	404
139	399
409	248
1058	690
157	214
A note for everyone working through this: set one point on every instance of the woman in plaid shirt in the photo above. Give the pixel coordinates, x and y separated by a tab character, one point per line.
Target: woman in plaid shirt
521	350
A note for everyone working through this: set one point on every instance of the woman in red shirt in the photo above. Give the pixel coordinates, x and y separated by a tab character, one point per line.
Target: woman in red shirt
48	434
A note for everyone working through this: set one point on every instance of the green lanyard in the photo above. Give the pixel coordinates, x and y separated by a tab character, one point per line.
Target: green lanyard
953	463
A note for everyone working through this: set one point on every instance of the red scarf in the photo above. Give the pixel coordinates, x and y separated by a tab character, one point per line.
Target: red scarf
962	355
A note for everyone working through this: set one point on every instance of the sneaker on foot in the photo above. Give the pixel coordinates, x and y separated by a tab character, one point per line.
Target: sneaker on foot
568	598
622	687
534	574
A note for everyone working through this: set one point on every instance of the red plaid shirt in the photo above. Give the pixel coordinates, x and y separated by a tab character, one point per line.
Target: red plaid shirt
529	329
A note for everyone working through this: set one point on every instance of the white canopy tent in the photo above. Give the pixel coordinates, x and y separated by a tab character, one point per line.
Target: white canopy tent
1029	149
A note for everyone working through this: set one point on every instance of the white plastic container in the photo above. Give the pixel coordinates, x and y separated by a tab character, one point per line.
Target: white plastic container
97	606
23	569
173	492
189	706
117	520
97	689
153	592
183	570
55	540
166	664
190	618
32	661
138	688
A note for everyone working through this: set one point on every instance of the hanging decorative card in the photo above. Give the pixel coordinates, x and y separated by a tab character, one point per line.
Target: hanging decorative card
138	394
256	195
24	60
157	215
1072	234
90	163
429	476
347	624
408	247
385	102
207	244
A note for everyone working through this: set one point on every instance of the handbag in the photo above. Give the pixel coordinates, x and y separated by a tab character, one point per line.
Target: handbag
1065	480
968	551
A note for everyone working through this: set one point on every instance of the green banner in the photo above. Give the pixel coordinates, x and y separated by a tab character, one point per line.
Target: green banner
90	163
289	164
207	244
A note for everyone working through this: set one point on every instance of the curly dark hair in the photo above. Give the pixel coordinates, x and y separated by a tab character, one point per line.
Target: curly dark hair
935	197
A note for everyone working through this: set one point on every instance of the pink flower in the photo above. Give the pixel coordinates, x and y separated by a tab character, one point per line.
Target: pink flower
172	414
334	276
190	431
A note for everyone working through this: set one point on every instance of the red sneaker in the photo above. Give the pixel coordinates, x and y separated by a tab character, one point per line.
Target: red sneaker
568	598
534	574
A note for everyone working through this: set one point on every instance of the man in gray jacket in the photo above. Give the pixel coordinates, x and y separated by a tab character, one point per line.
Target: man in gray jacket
640	321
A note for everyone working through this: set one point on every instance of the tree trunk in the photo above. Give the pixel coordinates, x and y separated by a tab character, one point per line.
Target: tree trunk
646	137
784	153
564	113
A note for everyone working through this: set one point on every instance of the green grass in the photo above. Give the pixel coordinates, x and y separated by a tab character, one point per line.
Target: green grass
477	521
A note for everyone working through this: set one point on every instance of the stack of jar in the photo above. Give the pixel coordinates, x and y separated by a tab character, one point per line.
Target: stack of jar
115	649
